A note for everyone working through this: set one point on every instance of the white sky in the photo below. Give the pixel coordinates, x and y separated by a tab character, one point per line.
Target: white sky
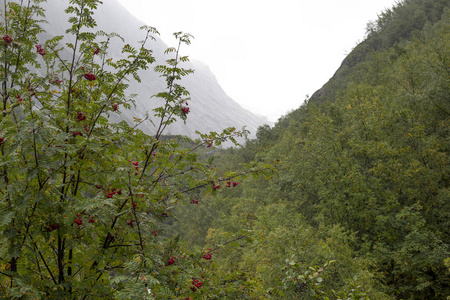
266	54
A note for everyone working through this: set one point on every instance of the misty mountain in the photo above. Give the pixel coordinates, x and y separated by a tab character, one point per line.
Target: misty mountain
211	109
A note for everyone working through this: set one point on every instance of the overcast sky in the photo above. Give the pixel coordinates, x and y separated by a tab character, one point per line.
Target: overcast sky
267	55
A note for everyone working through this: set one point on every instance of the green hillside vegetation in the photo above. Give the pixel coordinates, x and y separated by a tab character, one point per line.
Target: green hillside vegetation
346	197
84	200
360	206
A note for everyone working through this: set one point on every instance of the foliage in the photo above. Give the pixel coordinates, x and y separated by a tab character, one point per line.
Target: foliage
83	200
364	163
358	208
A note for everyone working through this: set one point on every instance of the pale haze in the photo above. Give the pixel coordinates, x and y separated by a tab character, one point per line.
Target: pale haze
267	55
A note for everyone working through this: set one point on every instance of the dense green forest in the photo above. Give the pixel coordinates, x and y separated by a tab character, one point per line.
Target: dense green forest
346	197
360	205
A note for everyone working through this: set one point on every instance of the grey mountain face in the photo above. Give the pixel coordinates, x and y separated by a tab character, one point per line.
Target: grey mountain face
211	109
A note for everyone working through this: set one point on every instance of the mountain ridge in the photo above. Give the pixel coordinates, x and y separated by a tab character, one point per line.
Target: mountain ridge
211	109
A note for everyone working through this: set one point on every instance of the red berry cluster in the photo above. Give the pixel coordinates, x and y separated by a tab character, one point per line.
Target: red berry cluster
112	192
171	261
7	40
78	221
97	51
185	110
75	133
115	107
86	127
91	220
56	81
216	187
196	284
1	140
89	76
40	50
130	223
229	183
52	227
207	256
19	98
81	117
136	165
194	201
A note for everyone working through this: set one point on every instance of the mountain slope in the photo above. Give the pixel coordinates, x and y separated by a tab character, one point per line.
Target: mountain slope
393	28
211	109
368	155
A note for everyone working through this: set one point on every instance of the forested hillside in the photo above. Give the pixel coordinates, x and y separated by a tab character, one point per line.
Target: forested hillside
360	205
347	197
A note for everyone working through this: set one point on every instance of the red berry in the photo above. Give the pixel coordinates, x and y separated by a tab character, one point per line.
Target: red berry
170	261
89	76
40	50
78	221
196	284
81	117
7	40
207	256
185	110
52	227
